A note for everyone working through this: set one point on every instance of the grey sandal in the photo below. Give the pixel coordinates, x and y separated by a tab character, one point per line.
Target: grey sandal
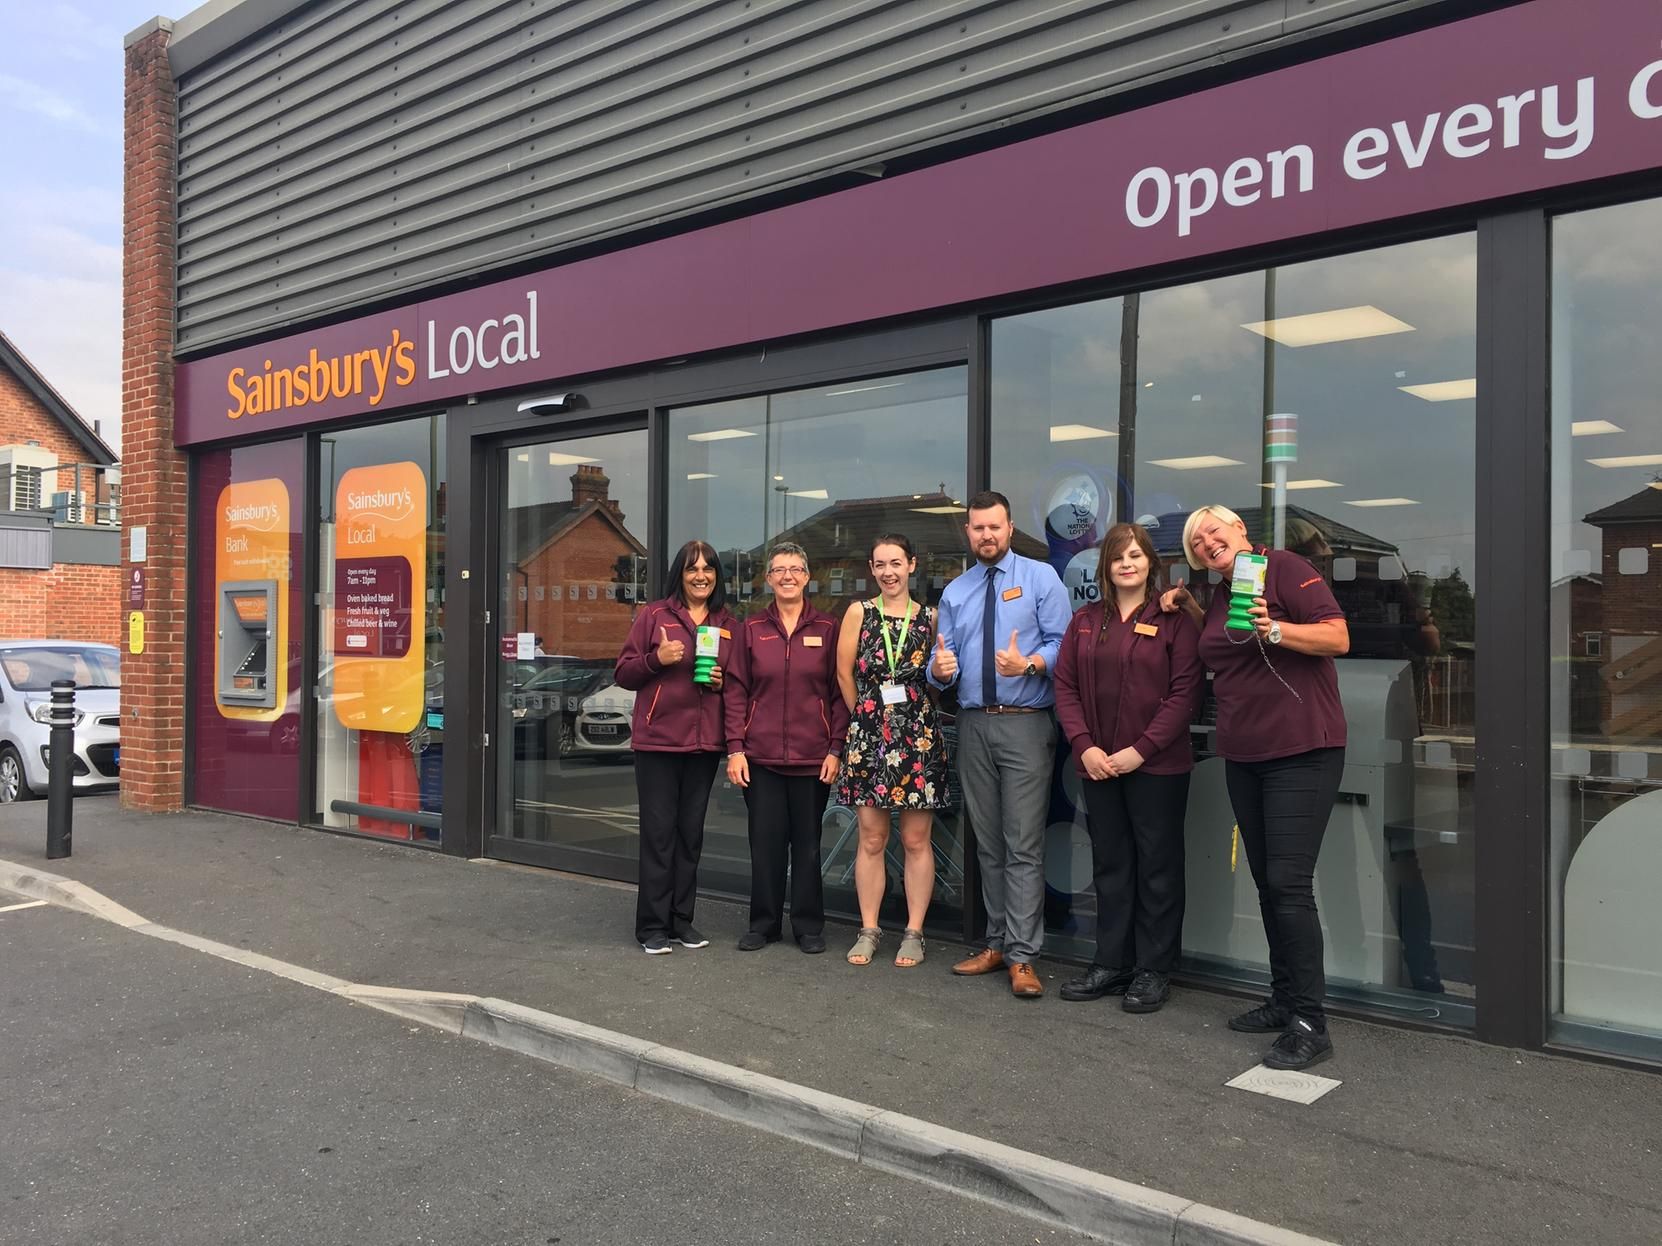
865	947
911	948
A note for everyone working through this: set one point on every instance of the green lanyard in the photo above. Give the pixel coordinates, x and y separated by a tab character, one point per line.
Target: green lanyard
888	643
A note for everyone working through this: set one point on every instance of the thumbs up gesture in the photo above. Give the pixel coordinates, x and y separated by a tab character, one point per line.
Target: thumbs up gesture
669	651
945	665
1010	661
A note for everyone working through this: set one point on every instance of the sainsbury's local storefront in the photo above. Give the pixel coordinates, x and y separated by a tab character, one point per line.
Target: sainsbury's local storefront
418	534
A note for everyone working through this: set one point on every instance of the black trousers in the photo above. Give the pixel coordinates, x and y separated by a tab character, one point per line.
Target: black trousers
1136	825
674	792
1282	807
785	812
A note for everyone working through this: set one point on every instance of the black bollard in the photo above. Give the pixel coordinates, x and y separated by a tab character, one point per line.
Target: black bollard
60	781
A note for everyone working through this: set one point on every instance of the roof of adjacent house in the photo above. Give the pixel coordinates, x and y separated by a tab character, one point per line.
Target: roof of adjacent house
1643	506
14	361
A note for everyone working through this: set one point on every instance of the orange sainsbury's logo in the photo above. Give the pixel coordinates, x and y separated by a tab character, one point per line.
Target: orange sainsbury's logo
319	379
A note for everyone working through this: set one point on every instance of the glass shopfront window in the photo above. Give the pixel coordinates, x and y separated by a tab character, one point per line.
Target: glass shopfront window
1147	406
246	685
1606	648
380	619
573	574
828	468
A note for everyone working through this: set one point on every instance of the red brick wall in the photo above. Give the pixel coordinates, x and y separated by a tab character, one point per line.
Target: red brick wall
69	602
153	476
585	555
23	419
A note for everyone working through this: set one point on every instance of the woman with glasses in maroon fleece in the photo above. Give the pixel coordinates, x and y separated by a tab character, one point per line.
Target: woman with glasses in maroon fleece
786	721
1128	678
678	741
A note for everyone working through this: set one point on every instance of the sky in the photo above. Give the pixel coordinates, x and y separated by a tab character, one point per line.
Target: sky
60	194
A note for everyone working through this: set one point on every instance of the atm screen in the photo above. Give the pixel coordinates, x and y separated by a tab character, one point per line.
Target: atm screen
250	607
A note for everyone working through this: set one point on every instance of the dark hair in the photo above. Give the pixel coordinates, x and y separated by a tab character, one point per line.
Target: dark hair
892	538
687	556
1113	545
989	498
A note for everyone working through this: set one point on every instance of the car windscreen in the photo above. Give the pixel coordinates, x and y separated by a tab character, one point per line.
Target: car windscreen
34	670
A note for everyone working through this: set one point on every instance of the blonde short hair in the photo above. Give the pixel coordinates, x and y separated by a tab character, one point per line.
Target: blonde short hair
1221	513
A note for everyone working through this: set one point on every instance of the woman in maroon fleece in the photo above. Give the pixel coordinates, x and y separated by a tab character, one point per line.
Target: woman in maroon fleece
1128	678
786	720
677	737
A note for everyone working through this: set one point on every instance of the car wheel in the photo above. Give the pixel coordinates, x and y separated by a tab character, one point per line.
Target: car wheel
568	737
13	785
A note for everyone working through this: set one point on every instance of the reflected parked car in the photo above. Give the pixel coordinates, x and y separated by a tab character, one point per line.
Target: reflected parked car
27	671
604	720
544	700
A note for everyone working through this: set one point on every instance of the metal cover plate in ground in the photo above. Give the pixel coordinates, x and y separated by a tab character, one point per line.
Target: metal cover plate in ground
1283	1084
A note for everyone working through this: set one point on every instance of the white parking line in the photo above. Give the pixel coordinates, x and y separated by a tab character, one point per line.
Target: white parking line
29	904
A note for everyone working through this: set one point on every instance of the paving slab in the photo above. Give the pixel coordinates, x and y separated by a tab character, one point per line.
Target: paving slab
1429	1137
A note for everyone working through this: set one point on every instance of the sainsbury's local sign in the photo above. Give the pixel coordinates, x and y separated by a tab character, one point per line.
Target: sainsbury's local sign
1535	96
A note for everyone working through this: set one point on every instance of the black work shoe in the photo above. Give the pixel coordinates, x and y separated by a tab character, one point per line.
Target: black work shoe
657	945
690	938
1148	991
813	945
1300	1047
1096	982
753	941
1270	1018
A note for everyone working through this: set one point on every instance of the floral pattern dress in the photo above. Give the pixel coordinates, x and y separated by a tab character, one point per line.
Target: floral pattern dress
895	757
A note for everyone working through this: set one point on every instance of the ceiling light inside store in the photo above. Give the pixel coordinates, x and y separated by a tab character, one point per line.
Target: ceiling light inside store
720	434
1629	460
558	459
807	493
1344	324
938	510
1443	391
1593	428
1196	462
862	389
1315	482
701	475
523	457
1381	502
1078	432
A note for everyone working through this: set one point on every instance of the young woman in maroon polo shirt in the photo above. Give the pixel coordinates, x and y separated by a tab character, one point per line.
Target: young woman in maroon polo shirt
786	721
678	742
1281	732
1127	680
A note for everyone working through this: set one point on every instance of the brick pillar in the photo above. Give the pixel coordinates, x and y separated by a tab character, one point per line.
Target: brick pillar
153	473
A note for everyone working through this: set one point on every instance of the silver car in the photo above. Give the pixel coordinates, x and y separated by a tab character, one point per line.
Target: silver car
27	669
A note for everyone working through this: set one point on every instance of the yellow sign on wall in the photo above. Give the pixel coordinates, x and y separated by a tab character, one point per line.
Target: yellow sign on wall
135	632
377	625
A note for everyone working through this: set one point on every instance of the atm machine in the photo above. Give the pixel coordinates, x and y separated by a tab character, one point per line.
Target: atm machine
248	657
1222	923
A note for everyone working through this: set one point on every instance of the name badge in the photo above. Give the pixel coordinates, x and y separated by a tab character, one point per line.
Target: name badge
1010	594
1146	629
813	642
894	694
725	634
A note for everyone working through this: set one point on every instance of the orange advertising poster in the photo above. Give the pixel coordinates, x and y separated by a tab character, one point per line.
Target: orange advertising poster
378	619
251	559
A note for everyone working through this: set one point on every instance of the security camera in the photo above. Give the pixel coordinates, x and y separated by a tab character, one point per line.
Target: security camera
548	404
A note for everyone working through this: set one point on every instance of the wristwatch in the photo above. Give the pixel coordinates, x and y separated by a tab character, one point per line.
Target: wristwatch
1032	670
1274	634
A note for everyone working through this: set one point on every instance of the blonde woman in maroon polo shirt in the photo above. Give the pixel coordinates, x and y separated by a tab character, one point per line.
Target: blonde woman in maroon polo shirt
1281	732
1127	680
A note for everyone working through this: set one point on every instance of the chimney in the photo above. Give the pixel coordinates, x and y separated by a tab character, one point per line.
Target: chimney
590	484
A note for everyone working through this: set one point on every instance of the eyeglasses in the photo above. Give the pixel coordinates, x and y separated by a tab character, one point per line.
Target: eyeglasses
794	572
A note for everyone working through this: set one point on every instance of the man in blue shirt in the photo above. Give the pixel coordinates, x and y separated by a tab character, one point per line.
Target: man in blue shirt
1001	625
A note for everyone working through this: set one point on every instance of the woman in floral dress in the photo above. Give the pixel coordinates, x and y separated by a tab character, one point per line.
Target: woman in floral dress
895	759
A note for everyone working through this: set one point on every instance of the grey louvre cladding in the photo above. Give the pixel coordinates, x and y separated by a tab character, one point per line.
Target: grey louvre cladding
25	542
360	150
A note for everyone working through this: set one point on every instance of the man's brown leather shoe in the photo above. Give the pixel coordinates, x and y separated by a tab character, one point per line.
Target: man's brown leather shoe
987	960
1025	983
